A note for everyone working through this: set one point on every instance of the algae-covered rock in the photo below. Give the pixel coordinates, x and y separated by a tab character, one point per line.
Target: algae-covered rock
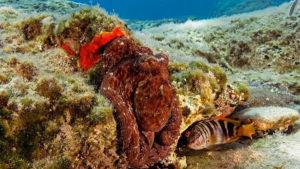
49	114
254	47
57	7
269	118
27	70
203	90
83	25
40	28
74	31
32	27
267	95
3	99
49	88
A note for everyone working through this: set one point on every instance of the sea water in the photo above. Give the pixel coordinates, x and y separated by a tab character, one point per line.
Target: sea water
161	9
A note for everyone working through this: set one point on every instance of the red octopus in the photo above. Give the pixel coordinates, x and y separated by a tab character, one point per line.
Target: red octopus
139	87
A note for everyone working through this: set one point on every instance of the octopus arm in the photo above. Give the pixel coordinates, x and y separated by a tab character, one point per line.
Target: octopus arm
171	131
129	128
135	144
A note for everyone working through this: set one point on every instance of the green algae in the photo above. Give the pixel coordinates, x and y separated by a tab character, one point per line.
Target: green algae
203	90
82	26
32	110
200	65
13	61
209	110
39	28
243	89
32	27
49	114
62	163
48	37
29	139
3	79
174	67
176	43
197	73
27	70
297	99
220	76
159	38
214	84
5	114
3	99
49	88
74	31
194	79
9	158
99	114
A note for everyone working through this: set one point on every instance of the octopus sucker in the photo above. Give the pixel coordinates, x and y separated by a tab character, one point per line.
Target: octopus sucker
144	100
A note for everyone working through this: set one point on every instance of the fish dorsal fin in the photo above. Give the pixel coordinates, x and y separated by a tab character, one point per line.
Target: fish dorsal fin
246	130
234	122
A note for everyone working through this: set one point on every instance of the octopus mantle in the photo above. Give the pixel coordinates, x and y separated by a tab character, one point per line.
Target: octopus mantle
138	85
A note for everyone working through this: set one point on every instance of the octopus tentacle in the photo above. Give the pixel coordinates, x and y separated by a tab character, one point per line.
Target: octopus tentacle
139	87
151	104
129	128
171	130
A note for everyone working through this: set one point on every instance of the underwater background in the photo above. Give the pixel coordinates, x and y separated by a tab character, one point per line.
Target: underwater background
209	59
161	9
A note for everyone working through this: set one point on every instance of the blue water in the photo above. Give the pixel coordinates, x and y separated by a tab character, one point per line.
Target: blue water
159	9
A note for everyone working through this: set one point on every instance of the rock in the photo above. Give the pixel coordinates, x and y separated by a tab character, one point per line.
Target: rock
264	95
269	118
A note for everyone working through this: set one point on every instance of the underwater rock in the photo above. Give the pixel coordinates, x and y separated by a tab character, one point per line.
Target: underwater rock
50	116
203	91
27	70
57	7
138	85
257	46
138	25
83	25
31	29
269	118
49	88
262	95
232	7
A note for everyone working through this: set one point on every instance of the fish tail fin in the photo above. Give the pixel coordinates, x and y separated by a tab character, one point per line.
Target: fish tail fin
246	130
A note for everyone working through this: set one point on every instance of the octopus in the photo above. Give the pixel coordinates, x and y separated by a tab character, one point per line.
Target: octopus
138	84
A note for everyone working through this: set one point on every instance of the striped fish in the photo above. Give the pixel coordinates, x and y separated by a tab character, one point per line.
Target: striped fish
207	133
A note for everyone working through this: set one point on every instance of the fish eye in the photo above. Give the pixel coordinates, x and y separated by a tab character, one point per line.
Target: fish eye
188	133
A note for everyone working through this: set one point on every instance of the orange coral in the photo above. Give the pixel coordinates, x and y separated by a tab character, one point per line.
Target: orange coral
88	57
